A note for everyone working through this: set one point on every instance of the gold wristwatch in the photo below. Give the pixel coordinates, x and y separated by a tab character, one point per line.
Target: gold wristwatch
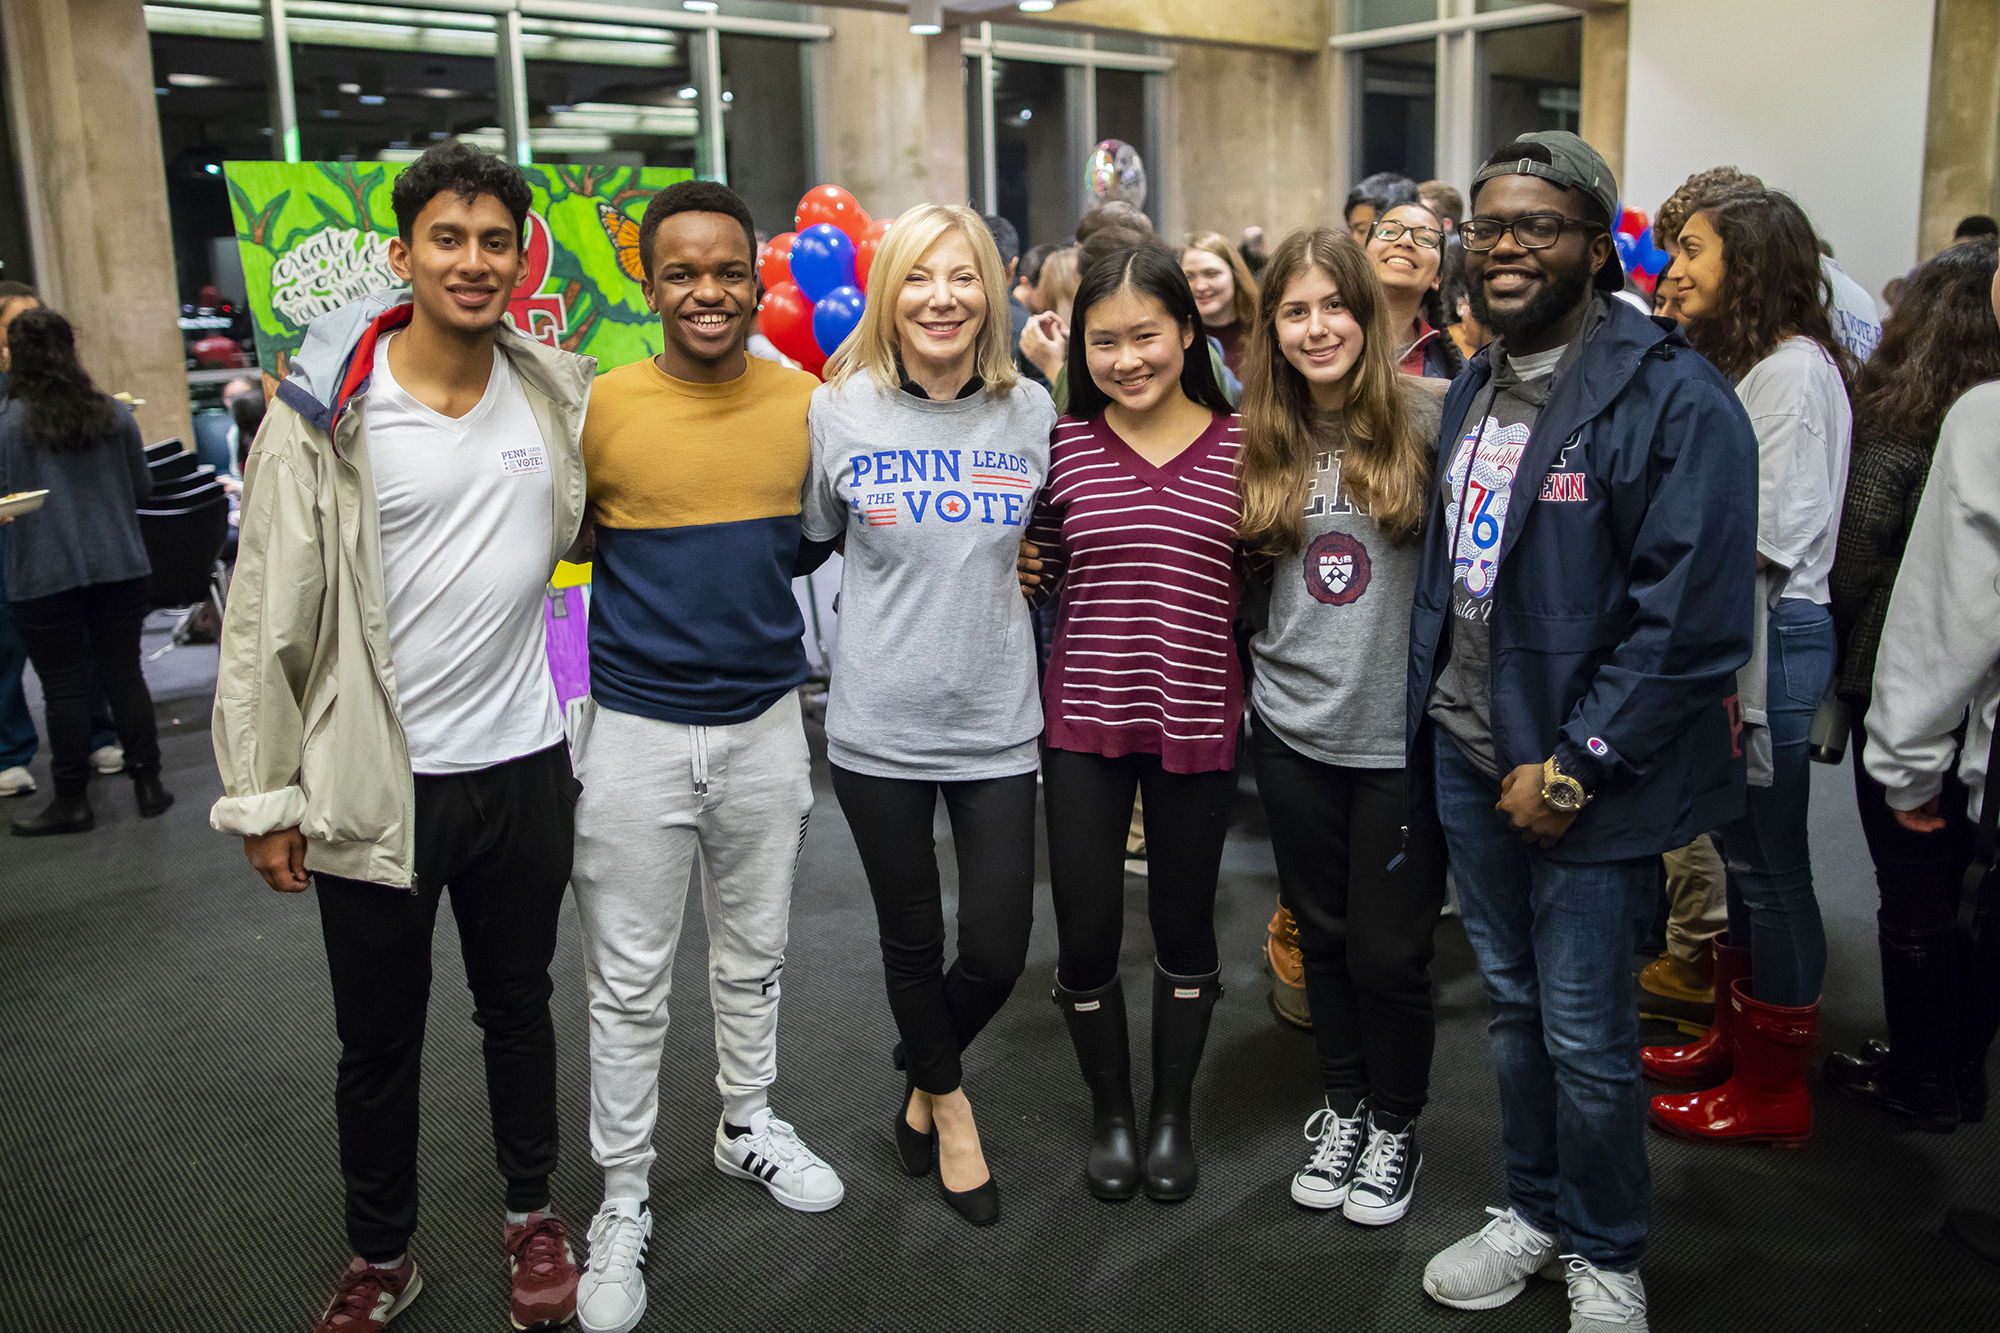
1564	794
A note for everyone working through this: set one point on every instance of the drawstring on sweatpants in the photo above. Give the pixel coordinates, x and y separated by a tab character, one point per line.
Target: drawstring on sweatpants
698	758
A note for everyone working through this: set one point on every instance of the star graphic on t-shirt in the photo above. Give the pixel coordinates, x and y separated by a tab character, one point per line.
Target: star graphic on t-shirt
951	506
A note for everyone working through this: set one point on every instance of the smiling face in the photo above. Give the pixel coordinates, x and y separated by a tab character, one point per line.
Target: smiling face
1518	292
1135	349
462	261
703	287
1402	264
1698	270
1318	334
941	307
1214	287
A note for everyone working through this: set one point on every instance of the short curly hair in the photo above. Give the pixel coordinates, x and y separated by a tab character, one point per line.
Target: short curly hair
693	196
468	173
1685	202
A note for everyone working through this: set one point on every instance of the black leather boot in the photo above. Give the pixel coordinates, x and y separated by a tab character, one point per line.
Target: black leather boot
63	814
1915	1078
1097	1028
1181	1009
153	798
1978	1015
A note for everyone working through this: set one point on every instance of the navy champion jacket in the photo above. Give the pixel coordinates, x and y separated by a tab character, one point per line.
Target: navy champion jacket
1622	606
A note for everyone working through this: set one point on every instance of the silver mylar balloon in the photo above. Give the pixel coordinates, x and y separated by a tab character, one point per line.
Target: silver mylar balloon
1115	172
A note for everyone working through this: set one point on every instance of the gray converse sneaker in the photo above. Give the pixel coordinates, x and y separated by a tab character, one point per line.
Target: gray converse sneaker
1601	1301
1491	1266
1323	1181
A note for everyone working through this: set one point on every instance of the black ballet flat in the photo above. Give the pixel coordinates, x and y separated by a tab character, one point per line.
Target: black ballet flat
979	1205
919	1150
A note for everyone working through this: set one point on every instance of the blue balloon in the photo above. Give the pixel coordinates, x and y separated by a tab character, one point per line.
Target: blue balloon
835	315
822	259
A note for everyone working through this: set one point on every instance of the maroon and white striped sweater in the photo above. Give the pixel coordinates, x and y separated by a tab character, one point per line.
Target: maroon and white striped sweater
1144	661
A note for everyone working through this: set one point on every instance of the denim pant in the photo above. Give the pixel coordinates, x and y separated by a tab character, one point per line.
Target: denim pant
1771	902
1554	944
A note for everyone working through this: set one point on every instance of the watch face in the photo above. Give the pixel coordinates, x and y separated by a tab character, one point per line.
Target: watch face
1564	796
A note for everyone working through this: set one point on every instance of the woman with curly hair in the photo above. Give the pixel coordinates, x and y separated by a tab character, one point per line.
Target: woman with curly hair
1940	999
1757	305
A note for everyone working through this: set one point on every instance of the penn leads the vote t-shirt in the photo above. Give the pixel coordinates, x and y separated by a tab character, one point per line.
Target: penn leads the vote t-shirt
934	669
466	515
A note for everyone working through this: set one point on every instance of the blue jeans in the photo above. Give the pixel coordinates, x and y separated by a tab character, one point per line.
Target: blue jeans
1771	902
1554	944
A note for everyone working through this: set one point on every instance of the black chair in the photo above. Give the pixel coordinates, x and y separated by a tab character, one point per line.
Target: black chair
182	464
164	449
183	541
177	489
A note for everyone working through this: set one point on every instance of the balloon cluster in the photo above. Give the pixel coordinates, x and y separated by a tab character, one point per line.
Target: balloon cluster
1643	259
816	276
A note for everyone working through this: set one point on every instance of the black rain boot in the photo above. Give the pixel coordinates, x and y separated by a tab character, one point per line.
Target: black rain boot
1181	1009
153	798
1915	1079
1096	1020
1978	1015
65	813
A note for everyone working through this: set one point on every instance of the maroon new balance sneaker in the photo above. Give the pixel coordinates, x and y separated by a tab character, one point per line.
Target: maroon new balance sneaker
544	1271
366	1298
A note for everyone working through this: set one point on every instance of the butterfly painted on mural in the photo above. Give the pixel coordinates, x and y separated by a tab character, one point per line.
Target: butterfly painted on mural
623	233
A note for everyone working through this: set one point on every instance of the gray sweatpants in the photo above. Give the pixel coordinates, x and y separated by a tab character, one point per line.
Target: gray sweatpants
658	799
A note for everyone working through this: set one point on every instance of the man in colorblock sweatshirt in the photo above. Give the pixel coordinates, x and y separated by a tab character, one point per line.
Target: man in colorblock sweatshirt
385	720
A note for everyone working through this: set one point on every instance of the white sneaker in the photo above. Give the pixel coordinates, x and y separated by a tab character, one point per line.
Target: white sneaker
772	1155
108	759
1491	1266
16	781
1323	1182
1601	1301
611	1289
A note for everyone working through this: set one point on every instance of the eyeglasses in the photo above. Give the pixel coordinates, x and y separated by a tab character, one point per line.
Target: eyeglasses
1536	231
1428	237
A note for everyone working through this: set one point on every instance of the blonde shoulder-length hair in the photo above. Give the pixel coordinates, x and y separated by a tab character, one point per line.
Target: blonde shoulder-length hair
1243	307
874	348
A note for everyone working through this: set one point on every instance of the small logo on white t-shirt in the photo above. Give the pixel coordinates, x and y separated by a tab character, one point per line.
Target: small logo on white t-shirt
514	462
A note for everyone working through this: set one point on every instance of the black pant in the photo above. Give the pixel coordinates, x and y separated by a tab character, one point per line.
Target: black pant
74	637
1365	929
500	839
937	1012
1089	800
1919	874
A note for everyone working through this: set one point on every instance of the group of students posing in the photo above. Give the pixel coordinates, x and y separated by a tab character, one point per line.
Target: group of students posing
1499	626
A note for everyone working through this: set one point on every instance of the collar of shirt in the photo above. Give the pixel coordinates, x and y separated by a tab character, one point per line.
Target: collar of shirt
916	390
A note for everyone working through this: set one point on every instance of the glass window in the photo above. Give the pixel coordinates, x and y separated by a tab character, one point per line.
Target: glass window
1031	149
1491	6
1015	32
1124	44
581	113
1121	114
1365	14
1399	110
1534	79
365	105
763	120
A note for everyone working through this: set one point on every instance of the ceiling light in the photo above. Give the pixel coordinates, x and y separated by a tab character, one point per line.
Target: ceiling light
699	6
211	168
350	88
195	81
926	17
689	94
1037	6
728	97
372	99
1027	114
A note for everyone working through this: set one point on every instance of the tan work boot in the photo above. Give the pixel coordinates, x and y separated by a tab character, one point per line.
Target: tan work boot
1288	970
1671	979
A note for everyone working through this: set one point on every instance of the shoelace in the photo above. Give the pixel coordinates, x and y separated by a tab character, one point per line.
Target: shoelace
780	1143
1507	1232
615	1237
1379	1162
356	1295
1336	1138
540	1246
1600	1294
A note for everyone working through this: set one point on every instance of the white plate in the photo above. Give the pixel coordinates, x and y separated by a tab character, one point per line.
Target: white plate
21	502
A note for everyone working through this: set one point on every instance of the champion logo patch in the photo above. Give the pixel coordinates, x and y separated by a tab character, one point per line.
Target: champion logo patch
1187	992
1597	746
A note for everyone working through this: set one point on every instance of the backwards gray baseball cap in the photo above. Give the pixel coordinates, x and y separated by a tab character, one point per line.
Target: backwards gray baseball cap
1575	165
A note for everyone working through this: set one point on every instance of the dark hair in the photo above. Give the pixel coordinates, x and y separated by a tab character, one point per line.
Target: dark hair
1117	213
1031	263
693	197
1976	225
1593	211
466	172
1005	239
248	414
66	411
14	291
1451	278
1772	284
1939	341
1150	270
1108	241
1383	191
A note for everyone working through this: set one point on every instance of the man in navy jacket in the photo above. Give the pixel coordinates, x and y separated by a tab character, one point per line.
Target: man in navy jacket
1582	609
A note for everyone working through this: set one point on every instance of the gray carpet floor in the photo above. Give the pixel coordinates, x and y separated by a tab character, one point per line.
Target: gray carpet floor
167	1158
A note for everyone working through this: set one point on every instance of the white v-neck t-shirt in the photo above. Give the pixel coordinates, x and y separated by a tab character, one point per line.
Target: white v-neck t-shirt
465	517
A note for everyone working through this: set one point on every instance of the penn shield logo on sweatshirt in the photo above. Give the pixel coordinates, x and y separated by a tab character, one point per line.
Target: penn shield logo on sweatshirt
1336	569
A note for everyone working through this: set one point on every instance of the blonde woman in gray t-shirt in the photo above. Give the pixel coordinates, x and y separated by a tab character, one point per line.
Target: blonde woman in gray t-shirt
1338	452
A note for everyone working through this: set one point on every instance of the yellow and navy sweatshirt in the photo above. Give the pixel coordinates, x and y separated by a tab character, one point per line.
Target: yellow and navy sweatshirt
694	489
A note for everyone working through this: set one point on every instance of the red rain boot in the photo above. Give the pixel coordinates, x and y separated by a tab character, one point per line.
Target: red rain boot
1765	1100
1709	1058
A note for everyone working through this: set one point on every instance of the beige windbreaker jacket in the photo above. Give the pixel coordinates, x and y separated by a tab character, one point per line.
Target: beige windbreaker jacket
306	726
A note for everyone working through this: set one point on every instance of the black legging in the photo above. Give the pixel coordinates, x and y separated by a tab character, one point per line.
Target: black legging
1089	805
938	1013
1365	930
75	637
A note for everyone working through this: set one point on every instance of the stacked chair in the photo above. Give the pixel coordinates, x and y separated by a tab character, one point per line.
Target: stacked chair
184	523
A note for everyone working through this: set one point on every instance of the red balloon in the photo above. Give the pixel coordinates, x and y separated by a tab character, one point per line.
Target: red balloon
774	261
830	203
786	319
864	249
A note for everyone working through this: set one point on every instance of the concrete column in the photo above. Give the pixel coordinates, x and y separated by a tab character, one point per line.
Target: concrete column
1606	54
891	111
945	129
1962	128
80	83
1253	140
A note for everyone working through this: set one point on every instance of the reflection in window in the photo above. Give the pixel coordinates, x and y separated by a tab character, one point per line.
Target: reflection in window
638	115
1030	150
213	109
763	119
361	105
1363	15
1534	79
1399	110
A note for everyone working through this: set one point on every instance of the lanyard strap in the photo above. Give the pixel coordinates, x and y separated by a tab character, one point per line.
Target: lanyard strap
1478	442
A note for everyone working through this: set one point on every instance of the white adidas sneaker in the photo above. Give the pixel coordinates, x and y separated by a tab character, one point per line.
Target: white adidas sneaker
772	1155
611	1289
